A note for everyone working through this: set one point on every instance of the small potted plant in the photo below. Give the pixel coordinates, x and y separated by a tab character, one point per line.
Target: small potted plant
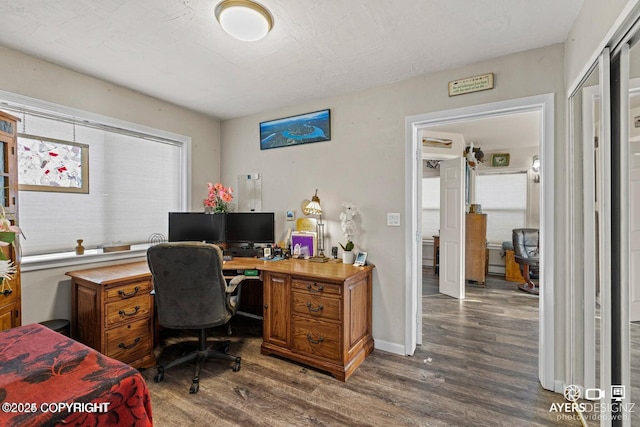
348	229
347	252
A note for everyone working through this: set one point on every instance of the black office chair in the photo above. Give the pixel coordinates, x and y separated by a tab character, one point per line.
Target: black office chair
191	293
526	248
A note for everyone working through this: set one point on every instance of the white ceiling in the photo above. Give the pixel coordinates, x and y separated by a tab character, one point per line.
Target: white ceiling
501	132
174	50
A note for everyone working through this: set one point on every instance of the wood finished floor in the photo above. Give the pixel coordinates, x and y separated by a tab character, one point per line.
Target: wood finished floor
477	367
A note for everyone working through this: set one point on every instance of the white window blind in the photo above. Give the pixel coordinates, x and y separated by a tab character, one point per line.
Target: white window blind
134	181
503	198
430	206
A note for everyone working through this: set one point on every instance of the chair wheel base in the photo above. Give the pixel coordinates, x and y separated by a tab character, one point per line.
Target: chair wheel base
159	376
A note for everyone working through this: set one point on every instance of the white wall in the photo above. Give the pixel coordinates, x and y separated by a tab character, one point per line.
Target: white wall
46	293
589	29
364	162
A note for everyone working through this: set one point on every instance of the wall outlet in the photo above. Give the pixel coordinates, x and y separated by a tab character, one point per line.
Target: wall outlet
393	219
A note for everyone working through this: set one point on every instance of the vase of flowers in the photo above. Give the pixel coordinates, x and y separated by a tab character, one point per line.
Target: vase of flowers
218	198
348	229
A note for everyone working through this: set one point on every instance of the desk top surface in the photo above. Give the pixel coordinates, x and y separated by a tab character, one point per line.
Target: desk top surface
305	268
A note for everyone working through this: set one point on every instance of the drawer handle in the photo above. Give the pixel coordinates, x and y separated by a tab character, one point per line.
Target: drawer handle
124	313
7	292
127	347
312	290
123	294
312	341
314	310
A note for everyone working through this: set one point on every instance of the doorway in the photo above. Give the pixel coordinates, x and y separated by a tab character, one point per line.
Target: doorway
505	195
414	125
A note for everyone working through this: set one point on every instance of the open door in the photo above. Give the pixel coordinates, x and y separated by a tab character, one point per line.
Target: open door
452	206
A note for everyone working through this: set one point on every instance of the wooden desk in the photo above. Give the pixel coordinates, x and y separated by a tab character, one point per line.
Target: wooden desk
318	314
112	312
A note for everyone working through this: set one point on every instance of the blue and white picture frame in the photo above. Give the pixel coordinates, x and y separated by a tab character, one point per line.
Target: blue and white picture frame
295	130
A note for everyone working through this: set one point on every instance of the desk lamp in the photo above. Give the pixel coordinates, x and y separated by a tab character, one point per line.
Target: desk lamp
314	208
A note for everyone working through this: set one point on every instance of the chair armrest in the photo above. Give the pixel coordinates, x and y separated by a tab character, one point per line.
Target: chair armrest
233	283
233	290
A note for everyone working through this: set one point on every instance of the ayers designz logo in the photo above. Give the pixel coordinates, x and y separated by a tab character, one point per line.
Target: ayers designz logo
594	404
572	393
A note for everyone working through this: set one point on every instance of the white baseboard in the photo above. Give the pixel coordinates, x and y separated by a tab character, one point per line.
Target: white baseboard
559	386
389	347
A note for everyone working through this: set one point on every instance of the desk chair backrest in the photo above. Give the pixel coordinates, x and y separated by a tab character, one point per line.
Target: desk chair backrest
190	290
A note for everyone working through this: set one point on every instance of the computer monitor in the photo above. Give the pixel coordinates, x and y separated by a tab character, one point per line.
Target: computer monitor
196	227
250	227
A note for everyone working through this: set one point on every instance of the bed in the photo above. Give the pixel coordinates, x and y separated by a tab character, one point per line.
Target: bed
49	379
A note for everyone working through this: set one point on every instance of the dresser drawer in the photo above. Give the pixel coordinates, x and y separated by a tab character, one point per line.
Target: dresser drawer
128	309
130	342
313	337
316	288
12	296
319	307
129	290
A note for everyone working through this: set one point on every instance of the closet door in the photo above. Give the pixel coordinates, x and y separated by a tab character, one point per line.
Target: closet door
589	330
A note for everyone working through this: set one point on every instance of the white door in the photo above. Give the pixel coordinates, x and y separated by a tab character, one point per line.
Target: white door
452	190
634	230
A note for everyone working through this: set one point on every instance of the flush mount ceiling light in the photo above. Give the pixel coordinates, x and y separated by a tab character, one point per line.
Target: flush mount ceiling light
244	19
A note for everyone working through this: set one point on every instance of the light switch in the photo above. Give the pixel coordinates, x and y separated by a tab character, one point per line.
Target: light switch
393	219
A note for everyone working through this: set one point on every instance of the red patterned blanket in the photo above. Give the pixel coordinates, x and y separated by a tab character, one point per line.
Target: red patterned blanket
49	379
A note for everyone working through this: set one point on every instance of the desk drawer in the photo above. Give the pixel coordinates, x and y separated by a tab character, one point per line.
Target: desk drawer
317	338
128	309
318	307
130	290
130	342
316	288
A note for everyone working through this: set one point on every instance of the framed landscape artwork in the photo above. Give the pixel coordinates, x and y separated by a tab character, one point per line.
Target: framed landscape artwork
295	130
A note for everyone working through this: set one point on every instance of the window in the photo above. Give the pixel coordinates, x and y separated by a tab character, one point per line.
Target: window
136	176
430	206
503	197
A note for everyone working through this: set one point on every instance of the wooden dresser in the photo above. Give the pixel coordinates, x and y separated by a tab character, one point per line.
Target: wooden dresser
10	292
476	253
318	314
112	312
10	301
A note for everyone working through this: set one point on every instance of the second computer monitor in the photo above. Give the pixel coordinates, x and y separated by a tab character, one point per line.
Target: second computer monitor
250	227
